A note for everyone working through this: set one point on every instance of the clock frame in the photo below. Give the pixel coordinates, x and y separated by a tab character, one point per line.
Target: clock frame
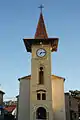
41	52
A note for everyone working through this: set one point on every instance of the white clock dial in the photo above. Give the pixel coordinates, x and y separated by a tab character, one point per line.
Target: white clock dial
41	52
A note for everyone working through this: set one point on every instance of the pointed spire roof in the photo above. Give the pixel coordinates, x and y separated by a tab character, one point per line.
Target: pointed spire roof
41	29
41	36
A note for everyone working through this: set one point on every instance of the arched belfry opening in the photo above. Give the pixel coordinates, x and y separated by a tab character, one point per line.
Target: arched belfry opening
41	113
41	75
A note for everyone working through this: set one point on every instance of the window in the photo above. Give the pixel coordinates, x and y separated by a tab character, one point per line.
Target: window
38	96
43	96
41	76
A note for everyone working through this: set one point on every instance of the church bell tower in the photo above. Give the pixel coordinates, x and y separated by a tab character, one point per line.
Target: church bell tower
40	84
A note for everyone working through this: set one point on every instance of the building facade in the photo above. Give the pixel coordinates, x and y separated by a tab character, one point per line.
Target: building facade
38	95
72	106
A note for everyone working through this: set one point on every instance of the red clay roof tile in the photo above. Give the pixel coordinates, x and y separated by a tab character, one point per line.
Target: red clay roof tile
41	29
10	108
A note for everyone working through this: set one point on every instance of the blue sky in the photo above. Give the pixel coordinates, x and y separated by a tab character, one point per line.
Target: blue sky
18	20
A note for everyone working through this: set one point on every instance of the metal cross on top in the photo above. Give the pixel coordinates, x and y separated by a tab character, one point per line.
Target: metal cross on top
41	7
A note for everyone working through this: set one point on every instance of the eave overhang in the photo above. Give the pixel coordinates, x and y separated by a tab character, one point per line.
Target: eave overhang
2	92
52	41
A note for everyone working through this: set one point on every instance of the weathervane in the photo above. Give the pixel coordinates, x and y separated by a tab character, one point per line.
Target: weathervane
41	7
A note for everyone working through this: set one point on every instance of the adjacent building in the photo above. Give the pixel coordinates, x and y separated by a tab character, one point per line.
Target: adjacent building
72	105
1	103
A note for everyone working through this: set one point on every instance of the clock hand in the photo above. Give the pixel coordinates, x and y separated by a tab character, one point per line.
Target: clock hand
43	52
40	53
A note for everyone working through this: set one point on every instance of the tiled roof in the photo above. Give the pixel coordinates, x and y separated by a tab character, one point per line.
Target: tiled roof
10	108
41	29
52	76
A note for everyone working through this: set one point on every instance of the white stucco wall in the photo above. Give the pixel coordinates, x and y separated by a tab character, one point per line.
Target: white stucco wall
24	100
58	98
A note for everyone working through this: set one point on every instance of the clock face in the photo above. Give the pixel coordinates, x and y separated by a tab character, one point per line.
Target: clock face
41	52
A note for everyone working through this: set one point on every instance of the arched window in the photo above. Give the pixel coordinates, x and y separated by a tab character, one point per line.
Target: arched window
41	113
41	75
